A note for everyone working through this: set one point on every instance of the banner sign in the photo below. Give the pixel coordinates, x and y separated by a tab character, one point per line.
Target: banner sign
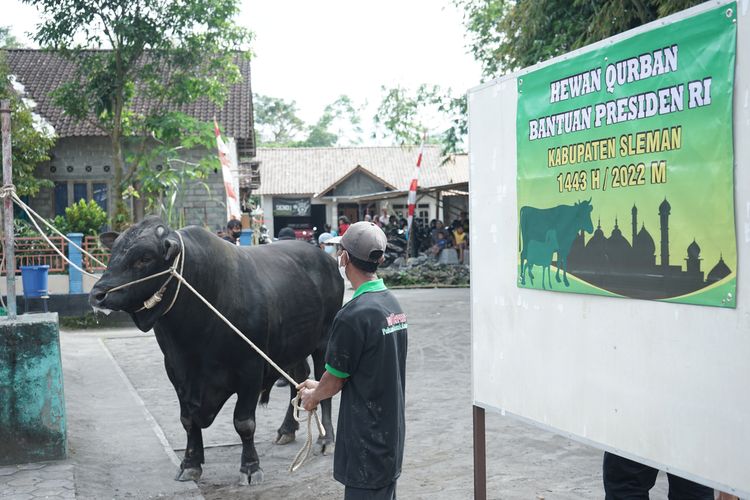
291	207
625	167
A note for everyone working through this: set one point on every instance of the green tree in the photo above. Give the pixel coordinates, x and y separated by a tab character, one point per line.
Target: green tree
165	174
506	35
278	125
171	53
276	121
7	40
338	119
31	139
404	116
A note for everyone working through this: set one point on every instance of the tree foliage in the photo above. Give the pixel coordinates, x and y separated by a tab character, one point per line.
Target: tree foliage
31	140
338	119
169	53
278	125
506	35
276	121
405	116
7	39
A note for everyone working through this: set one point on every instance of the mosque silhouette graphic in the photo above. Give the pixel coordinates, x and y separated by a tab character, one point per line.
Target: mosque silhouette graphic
630	269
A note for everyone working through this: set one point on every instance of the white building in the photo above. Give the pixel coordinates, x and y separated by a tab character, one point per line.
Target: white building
307	188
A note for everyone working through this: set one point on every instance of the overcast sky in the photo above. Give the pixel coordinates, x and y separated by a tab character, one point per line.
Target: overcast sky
312	52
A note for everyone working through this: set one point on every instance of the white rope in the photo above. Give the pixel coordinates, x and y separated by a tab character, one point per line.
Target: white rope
29	211
304	453
57	250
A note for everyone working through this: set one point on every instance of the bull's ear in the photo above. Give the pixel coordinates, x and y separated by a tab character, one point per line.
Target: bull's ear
171	247
108	239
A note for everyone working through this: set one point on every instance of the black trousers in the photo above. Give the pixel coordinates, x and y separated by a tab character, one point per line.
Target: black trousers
384	493
628	480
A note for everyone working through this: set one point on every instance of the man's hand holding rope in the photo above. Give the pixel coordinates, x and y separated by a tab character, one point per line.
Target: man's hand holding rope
311	392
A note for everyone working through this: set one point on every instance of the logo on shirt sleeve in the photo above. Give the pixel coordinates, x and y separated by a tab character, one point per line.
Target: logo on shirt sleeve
395	322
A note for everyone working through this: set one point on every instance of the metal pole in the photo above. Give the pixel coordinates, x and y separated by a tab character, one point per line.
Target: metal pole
480	455
10	254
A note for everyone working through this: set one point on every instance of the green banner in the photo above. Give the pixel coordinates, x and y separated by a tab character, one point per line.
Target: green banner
625	167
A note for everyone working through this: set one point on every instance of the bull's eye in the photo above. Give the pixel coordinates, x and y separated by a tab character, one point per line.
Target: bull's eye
144	261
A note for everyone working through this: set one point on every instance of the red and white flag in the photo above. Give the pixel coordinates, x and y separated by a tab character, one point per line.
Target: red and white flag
231	188
412	199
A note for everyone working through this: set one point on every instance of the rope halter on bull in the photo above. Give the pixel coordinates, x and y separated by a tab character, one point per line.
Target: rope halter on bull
304	453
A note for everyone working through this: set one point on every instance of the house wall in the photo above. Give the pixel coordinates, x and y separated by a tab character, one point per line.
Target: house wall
89	160
358	184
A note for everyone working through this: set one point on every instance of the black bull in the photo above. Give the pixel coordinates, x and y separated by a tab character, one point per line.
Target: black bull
283	297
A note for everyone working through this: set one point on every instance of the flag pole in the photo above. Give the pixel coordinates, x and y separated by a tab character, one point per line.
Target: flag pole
412	198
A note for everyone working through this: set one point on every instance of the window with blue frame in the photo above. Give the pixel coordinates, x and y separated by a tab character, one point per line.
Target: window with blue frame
79	191
99	191
61	197
67	193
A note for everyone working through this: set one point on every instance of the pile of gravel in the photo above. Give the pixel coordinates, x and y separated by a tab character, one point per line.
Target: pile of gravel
423	271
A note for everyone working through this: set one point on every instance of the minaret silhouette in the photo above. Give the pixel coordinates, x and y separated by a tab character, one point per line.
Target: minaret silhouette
634	212
664	210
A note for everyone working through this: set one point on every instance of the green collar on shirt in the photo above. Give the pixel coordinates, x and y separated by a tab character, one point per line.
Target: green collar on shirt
369	286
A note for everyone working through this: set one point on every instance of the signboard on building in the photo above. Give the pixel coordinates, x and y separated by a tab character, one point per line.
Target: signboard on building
291	207
612	147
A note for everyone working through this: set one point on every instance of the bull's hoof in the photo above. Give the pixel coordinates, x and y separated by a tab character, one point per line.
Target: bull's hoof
285	437
189	474
250	478
324	446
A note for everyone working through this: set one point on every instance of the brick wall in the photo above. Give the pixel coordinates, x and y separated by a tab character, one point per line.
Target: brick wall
89	160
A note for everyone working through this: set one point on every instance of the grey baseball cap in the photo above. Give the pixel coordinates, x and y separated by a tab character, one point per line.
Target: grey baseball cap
365	241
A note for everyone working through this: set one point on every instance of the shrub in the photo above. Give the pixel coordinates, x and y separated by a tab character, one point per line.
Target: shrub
82	217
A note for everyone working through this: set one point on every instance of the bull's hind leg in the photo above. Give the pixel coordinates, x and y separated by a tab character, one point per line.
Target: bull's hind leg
287	432
244	424
190	468
325	444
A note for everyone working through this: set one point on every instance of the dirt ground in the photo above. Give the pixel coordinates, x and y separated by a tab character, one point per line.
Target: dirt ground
523	462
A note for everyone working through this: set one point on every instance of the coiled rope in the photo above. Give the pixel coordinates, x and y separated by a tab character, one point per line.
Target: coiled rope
304	453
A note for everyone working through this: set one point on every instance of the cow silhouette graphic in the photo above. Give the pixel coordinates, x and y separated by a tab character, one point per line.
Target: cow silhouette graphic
565	221
540	254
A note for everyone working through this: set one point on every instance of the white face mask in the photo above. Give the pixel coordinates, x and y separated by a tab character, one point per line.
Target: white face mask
330	249
342	269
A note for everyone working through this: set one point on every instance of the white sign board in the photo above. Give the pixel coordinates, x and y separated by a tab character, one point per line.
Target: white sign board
661	383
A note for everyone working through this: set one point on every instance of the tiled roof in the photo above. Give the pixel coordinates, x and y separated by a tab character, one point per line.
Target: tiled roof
42	71
312	170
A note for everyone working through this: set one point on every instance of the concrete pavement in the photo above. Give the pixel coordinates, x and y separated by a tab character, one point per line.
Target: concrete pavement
123	423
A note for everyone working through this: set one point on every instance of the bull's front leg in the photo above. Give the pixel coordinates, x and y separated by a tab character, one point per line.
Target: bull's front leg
190	468
244	424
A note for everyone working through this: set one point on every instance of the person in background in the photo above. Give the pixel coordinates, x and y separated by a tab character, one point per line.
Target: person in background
366	361
459	241
625	479
383	219
343	224
287	233
441	242
234	228
330	249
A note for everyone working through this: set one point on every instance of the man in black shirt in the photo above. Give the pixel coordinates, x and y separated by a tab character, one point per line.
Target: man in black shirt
366	357
234	228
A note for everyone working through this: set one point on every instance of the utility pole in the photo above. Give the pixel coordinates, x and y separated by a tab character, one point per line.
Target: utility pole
10	254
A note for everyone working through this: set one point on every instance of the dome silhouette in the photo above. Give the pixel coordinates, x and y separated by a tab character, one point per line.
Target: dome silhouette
617	247
644	243
719	271
693	250
665	206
